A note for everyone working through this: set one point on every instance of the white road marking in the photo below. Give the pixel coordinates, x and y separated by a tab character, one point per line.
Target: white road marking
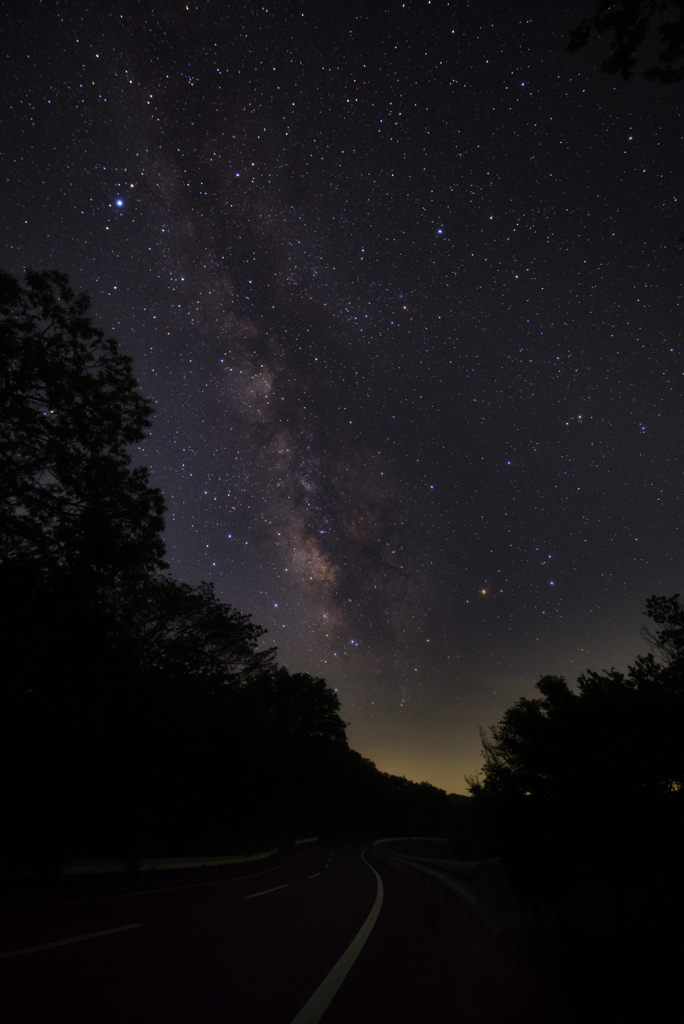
252	895
316	875
319	1002
67	942
153	892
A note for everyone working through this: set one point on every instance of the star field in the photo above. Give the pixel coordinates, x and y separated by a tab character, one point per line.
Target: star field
404	285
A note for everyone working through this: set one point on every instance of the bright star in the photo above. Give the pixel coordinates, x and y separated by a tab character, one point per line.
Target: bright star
119	202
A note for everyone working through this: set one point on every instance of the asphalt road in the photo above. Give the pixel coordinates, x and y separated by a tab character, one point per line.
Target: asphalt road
251	950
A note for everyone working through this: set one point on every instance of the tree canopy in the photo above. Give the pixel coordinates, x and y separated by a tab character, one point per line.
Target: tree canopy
176	629
619	734
69	411
627	24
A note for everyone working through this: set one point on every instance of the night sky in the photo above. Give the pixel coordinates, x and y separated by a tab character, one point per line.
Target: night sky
403	281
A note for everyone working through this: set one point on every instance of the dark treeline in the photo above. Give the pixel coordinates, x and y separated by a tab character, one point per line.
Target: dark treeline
138	715
629	26
590	782
582	796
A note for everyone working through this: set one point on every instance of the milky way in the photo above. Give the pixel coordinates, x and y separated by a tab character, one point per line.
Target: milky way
404	287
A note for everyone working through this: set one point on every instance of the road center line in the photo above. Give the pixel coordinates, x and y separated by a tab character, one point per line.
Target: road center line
253	894
67	942
319	1002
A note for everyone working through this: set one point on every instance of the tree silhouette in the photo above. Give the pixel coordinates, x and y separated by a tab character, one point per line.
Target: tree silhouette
618	734
178	630
627	23
69	412
574	779
668	640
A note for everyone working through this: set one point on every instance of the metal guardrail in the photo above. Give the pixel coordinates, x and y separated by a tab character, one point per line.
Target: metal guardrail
113	867
481	884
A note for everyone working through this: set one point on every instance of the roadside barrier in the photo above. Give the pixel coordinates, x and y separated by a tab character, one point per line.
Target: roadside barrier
113	867
481	884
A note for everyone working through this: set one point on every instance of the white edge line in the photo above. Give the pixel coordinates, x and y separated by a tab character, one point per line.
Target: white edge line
67	942
265	891
313	1010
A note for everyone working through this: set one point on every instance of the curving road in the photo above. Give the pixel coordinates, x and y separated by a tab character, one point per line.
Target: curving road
274	948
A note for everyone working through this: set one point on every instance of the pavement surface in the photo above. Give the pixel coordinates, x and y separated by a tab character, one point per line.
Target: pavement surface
251	950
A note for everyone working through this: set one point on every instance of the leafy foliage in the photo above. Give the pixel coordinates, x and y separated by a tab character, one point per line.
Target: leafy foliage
668	640
178	629
619	733
578	778
627	22
69	412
